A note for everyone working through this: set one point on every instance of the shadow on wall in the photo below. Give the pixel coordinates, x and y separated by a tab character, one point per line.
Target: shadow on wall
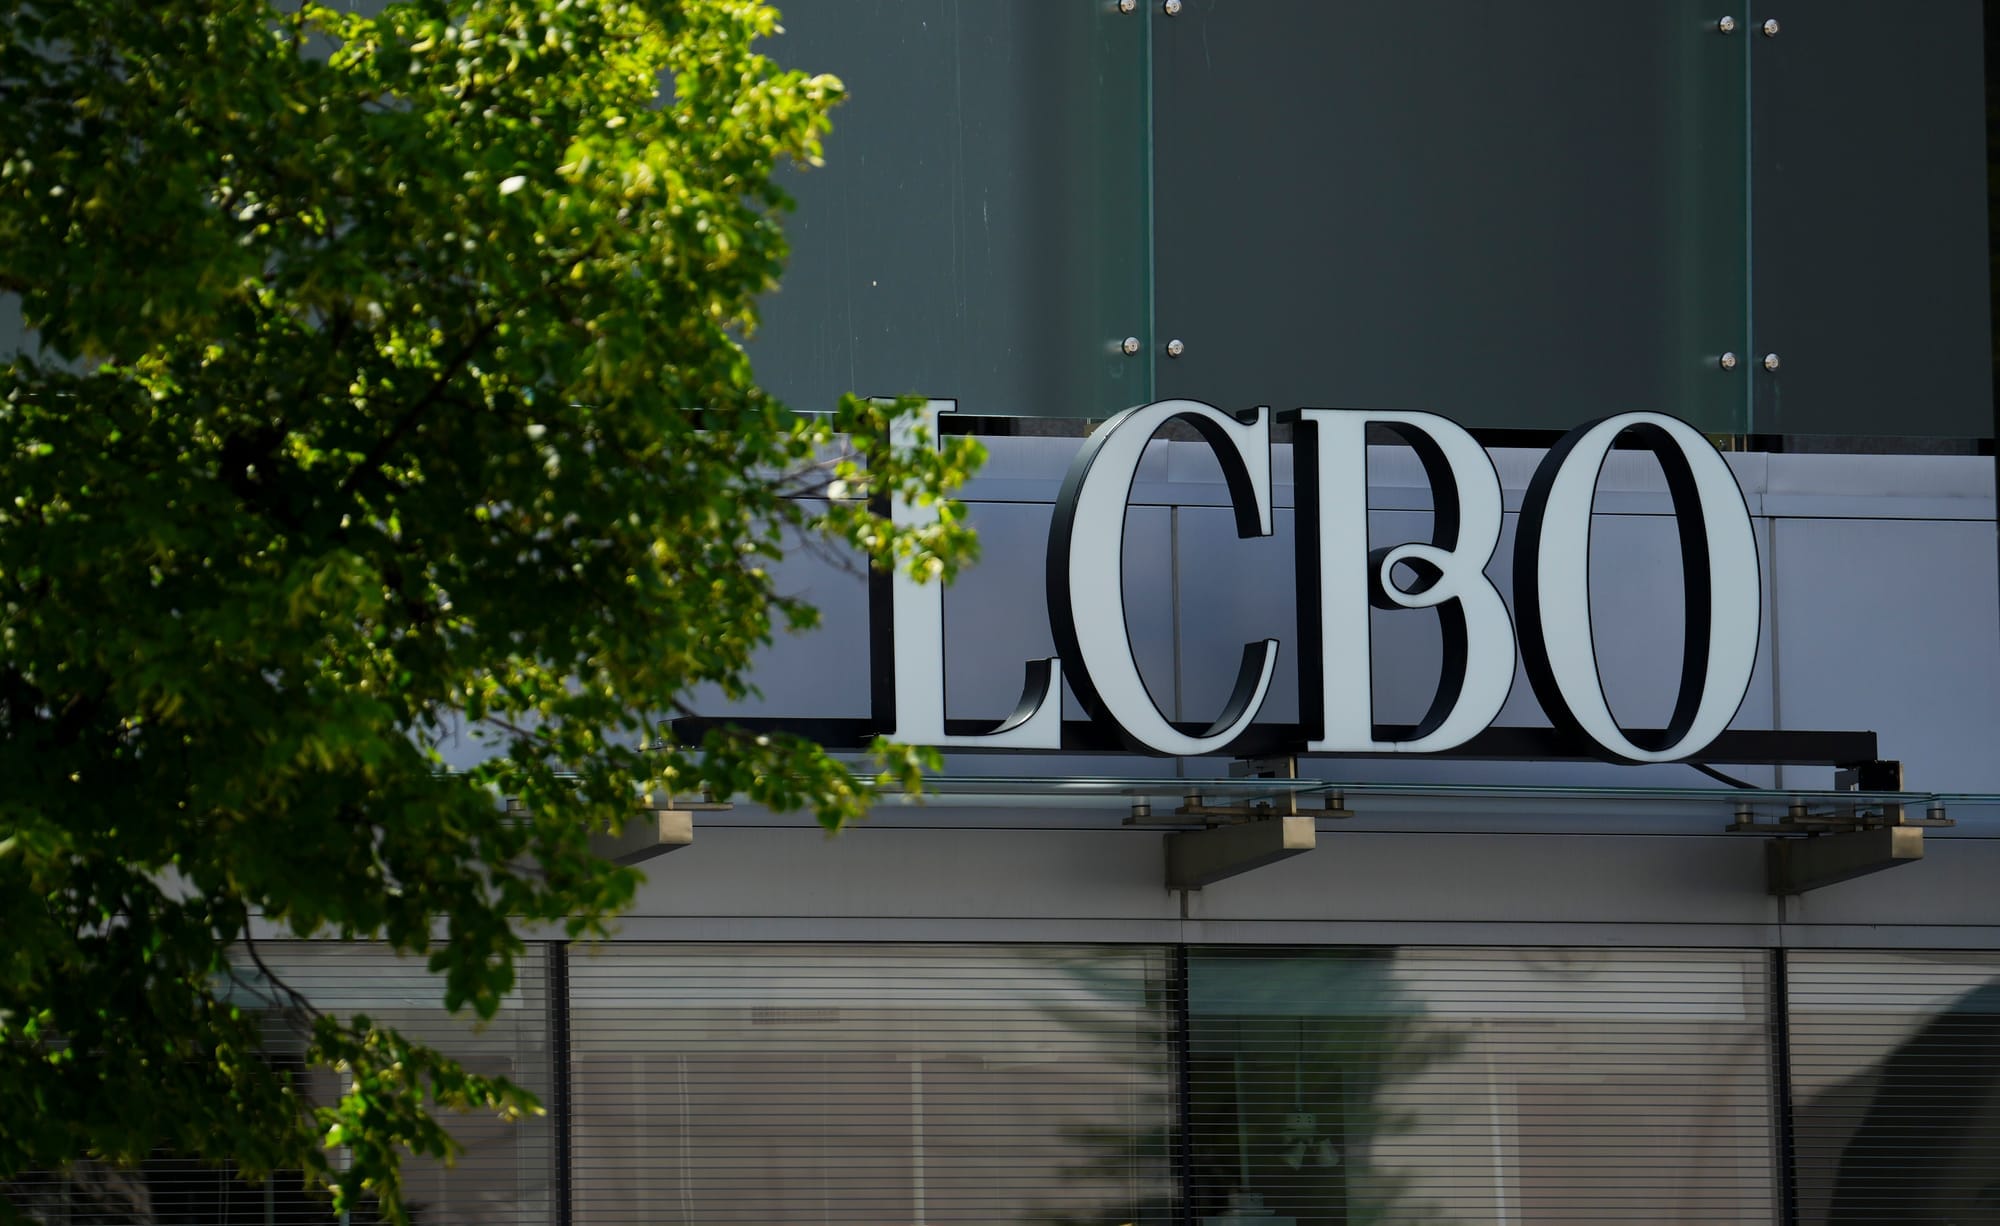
1290	1057
1926	1145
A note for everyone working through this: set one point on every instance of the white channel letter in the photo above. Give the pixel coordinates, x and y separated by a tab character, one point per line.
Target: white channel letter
1086	570
1719	565
918	620
1339	578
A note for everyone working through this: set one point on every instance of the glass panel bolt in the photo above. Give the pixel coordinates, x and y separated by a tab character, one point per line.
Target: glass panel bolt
1770	361
1771	27
1175	348
1727	361
1129	346
1727	25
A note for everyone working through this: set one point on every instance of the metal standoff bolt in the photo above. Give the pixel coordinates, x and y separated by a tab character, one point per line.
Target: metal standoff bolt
1727	25
1172	7
1727	361
1770	361
1771	27
1129	346
1128	6
1175	348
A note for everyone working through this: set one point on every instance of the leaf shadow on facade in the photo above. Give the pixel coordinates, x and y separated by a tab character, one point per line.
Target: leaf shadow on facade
1915	1136
1289	1060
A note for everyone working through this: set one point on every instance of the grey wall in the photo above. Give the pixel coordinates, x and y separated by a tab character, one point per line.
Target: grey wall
1882	612
958	873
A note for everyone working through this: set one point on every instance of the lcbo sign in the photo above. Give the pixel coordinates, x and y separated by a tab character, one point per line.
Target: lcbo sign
1340	578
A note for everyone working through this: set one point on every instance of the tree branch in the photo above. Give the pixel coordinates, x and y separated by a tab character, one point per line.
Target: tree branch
412	415
297	997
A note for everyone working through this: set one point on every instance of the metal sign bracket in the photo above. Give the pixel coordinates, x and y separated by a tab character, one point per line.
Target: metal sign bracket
1812	847
1235	838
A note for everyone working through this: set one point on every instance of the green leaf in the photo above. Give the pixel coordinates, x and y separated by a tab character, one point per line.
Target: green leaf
385	379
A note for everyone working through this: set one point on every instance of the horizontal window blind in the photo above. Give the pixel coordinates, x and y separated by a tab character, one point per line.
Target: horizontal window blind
1218	1085
1895	1062
871	1084
1330	1086
504	1177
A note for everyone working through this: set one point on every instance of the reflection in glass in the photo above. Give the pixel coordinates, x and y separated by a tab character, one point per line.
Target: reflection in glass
979	229
1511	214
870	1084
1333	1086
1896	1060
503	1177
1870	245
1288	1055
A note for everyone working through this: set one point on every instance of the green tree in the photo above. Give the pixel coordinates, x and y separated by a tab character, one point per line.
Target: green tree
385	374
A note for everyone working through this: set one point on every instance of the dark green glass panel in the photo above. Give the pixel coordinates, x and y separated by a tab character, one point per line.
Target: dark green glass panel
1870	261
1520	215
979	229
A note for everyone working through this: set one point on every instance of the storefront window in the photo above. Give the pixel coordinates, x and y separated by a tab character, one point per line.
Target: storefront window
1335	1086
1896	1081
928	1083
1217	1085
871	1084
505	1177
